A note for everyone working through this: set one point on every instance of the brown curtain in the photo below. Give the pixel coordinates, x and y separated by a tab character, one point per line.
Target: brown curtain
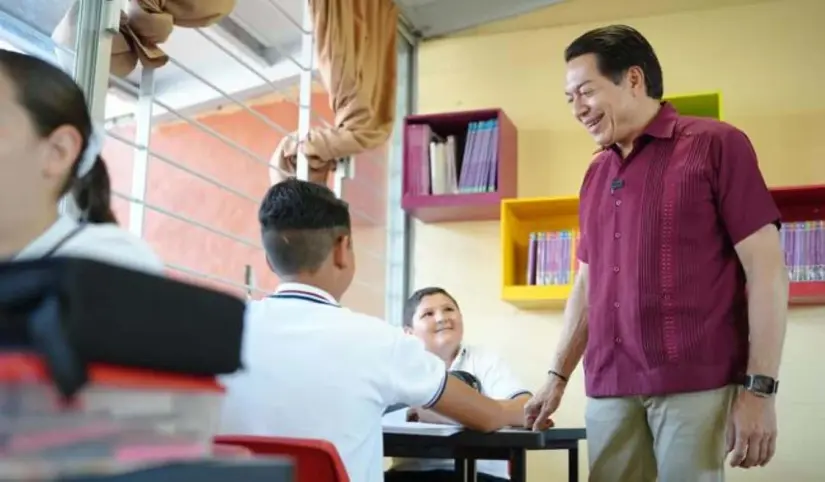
355	45
145	25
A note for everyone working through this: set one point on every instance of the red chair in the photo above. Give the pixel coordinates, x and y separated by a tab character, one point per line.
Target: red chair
315	460
231	451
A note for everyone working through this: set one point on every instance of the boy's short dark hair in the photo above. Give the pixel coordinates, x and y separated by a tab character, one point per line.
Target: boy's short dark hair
300	224
411	305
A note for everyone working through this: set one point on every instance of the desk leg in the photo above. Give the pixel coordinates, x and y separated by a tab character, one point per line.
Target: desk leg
518	466
573	464
465	470
472	474
461	470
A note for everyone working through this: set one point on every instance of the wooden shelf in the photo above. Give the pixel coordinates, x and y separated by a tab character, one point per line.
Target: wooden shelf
536	297
708	104
800	204
485	206
807	293
519	218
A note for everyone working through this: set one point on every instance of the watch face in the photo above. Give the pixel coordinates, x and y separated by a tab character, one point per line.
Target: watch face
760	384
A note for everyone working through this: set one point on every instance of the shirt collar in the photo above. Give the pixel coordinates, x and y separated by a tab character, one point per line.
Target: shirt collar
663	126
305	291
46	241
459	358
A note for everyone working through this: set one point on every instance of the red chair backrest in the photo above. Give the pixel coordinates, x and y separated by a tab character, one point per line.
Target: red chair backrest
231	451
315	460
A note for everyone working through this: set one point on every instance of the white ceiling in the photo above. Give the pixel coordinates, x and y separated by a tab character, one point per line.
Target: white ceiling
260	40
434	18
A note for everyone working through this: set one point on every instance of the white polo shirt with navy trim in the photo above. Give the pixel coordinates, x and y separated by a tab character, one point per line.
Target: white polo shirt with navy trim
497	382
107	243
313	369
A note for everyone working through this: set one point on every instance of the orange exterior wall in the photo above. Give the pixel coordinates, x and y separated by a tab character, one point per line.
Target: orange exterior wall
171	189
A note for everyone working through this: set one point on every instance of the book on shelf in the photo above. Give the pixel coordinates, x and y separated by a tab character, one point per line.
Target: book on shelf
444	165
804	246
551	257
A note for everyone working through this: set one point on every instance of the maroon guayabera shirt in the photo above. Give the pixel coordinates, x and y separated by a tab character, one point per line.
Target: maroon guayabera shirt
667	311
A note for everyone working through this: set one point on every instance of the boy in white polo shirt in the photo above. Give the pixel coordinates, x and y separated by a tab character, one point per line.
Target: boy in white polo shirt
433	315
314	369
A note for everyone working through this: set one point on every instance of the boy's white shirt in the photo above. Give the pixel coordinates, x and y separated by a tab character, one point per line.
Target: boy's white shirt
313	369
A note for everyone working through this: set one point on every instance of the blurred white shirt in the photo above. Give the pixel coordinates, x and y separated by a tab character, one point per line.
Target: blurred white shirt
497	382
107	243
313	369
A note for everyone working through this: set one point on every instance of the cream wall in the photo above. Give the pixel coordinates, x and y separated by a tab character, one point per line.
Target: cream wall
766	59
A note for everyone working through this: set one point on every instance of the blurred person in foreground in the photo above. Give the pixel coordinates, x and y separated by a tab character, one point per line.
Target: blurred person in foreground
49	149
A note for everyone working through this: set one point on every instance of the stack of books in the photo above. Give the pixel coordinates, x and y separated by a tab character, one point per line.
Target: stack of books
446	165
804	247
551	258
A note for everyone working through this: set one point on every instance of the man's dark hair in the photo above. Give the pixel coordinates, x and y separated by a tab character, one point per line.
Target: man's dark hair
300	224
411	305
618	48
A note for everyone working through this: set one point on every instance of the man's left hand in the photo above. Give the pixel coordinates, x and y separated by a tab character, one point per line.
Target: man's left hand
751	436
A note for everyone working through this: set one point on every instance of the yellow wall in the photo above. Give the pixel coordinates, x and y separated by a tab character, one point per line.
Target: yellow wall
765	58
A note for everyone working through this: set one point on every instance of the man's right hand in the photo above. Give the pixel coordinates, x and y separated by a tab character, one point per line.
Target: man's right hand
543	404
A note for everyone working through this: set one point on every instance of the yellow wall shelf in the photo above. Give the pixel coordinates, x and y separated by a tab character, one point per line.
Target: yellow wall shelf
519	218
707	104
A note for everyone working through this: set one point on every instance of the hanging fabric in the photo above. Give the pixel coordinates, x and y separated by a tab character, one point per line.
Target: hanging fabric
355	46
144	26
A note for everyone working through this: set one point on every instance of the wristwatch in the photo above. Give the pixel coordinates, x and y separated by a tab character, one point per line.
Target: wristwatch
761	385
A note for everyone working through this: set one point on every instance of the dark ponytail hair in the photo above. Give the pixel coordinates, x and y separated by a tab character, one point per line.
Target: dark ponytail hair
93	194
53	99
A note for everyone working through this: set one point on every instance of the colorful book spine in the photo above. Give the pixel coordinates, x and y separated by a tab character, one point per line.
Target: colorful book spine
804	245
479	163
551	258
434	165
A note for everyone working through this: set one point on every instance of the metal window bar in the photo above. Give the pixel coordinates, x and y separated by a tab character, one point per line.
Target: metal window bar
20	32
304	110
305	94
211	229
296	23
197	124
253	69
208	179
398	223
275	126
247	289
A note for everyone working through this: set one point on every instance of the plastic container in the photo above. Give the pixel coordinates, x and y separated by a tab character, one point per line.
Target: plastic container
123	419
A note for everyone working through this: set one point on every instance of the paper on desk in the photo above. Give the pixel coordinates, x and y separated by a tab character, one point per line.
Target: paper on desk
420	428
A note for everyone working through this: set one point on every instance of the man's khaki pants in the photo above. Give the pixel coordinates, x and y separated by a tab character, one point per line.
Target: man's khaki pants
675	438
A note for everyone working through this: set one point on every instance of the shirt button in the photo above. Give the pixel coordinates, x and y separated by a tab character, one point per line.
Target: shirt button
618	340
615	269
616	304
618	202
617	235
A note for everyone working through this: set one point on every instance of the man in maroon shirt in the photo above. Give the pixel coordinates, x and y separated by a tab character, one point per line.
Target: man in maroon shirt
675	221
